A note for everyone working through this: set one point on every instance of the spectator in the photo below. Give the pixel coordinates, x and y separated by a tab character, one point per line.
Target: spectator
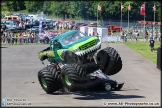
32	37
6	38
57	26
28	37
155	36
3	39
53	23
20	38
150	35
125	36
159	36
12	38
2	30
9	38
16	38
35	37
25	37
136	35
45	38
46	27
122	34
152	44
60	26
146	35
130	34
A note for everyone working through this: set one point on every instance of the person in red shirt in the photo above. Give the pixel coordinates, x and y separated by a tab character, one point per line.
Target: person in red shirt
146	35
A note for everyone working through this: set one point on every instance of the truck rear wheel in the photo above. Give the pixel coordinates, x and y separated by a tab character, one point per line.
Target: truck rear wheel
50	79
110	61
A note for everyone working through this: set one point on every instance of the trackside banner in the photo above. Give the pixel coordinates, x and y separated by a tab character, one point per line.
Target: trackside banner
40	26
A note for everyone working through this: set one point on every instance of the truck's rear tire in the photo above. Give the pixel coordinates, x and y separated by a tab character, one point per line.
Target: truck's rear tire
110	61
73	77
50	79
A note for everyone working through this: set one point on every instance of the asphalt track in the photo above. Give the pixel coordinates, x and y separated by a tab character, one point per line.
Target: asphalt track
20	65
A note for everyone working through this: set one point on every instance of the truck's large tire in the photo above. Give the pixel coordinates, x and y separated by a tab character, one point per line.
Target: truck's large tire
73	77
50	79
110	61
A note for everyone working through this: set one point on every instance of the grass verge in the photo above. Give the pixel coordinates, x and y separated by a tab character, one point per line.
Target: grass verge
144	49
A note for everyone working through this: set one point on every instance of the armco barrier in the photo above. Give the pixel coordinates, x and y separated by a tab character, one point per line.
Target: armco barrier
110	38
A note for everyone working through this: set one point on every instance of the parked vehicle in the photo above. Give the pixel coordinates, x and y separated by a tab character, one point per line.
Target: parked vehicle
10	24
49	24
92	25
35	28
11	17
33	17
31	24
78	25
114	28
3	25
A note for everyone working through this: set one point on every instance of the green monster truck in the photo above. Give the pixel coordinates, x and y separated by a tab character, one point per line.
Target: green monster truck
77	62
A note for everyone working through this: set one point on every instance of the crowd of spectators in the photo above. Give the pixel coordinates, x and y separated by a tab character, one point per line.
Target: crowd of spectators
134	34
19	38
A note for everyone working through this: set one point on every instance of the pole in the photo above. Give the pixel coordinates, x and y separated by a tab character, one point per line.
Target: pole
128	19
144	19
97	16
121	18
154	19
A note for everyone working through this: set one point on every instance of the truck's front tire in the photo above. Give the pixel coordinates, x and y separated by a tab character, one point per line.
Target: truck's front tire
73	77
50	79
110	61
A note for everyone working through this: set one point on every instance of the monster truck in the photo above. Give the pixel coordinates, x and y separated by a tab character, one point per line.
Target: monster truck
77	62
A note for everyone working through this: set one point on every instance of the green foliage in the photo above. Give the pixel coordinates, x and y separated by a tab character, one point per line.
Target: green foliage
4	8
87	9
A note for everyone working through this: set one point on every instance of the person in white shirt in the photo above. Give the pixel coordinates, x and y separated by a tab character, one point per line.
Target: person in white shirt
20	25
136	35
159	36
25	37
150	34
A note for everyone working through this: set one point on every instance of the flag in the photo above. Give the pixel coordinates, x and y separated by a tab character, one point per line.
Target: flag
99	7
142	9
129	8
122	7
40	26
154	7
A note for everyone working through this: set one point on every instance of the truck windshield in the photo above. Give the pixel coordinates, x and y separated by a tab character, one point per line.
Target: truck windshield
70	39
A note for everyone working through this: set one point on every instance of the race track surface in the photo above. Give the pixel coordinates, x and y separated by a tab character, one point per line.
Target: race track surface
20	65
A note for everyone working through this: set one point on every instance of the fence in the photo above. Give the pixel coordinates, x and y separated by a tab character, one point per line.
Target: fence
25	41
21	41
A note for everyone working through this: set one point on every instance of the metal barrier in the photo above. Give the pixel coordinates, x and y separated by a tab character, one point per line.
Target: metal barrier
110	39
159	58
21	41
